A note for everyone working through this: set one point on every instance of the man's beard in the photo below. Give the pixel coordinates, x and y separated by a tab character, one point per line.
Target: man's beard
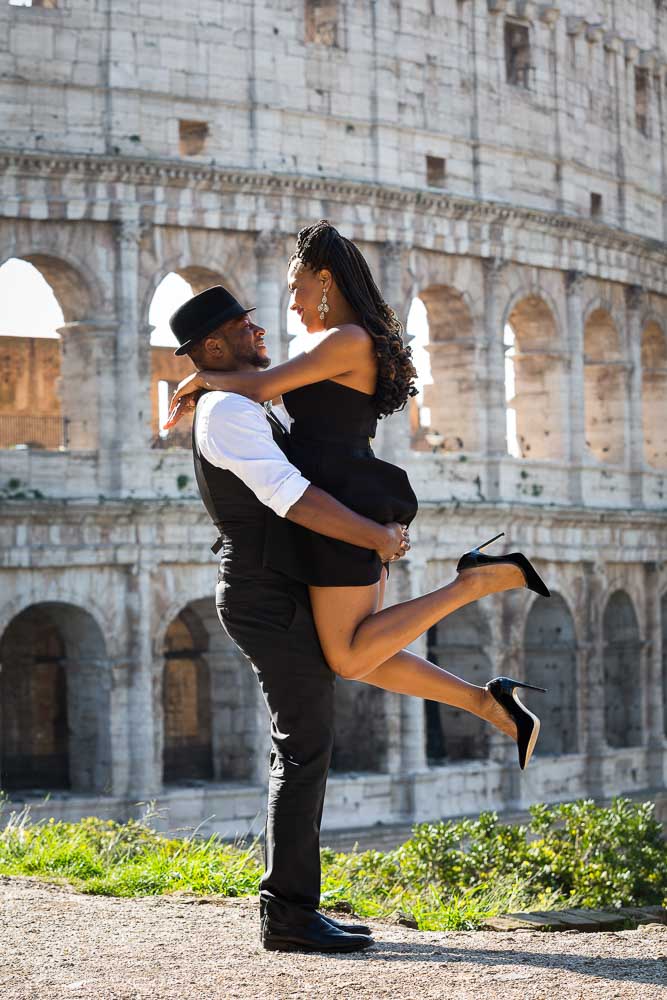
256	359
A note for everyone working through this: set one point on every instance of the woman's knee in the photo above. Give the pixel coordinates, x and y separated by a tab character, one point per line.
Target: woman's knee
347	666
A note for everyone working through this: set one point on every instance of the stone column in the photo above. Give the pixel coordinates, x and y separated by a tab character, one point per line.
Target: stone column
271	255
591	671
144	768
634	438
413	722
394	437
493	426
575	432
133	399
653	689
505	652
87	389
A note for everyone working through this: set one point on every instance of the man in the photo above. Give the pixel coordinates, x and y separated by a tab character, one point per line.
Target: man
245	478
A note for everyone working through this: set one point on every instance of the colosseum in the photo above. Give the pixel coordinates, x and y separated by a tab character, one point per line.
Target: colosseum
503	165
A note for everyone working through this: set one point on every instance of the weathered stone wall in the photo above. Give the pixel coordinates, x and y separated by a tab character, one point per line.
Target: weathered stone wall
465	164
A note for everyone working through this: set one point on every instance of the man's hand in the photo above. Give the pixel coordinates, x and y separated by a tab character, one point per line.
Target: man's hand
397	543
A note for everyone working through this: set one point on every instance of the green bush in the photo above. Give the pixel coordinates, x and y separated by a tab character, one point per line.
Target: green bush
584	854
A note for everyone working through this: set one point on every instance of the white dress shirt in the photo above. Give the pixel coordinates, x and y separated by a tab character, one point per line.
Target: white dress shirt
233	433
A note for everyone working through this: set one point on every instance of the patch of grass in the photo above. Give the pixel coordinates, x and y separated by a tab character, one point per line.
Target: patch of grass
126	859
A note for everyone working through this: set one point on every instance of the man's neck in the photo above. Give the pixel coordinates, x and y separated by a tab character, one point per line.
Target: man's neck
243	366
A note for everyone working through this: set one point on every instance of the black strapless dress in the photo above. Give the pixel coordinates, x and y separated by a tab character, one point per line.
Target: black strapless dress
330	444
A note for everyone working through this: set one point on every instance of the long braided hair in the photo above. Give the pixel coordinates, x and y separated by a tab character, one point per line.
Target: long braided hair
319	247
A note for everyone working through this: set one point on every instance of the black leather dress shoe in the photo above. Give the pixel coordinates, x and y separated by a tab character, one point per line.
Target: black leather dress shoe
316	934
349	928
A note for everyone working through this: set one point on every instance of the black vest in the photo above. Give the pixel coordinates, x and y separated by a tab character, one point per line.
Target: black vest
239	516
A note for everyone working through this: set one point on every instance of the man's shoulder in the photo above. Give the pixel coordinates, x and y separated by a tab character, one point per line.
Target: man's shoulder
216	403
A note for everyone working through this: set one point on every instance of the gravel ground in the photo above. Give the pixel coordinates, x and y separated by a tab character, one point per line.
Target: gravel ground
58	943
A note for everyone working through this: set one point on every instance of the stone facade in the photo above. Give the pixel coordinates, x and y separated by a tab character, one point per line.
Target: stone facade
502	160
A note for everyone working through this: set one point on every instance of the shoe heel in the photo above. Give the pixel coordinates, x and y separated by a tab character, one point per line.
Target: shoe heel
503	690
522	684
484	544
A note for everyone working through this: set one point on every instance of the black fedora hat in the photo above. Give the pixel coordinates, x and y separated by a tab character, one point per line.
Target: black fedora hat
202	314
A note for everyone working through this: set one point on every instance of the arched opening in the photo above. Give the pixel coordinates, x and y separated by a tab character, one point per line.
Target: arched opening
360	728
446	342
167	370
47	396
54	701
654	395
550	662
534	374
30	360
209	701
622	686
604	389
457	644
417	337
186	702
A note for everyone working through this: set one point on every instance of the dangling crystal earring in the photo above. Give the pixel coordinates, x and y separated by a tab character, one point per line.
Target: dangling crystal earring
323	307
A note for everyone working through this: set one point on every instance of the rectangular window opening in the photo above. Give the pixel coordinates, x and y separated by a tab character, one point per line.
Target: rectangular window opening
192	137
641	99
321	22
596	205
46	4
436	171
517	54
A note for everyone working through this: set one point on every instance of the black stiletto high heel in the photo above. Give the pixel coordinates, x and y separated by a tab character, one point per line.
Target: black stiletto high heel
469	560
527	724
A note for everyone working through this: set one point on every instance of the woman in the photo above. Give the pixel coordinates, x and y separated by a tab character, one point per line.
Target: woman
354	370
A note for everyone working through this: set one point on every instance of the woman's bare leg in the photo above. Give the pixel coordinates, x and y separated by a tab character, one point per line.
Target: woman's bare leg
407	673
356	637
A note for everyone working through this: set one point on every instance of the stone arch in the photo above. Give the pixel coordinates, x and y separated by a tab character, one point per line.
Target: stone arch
654	394
56	693
605	304
71	286
198	275
207	700
361	730
550	660
534	377
35	407
453	397
605	386
76	286
458	643
622	678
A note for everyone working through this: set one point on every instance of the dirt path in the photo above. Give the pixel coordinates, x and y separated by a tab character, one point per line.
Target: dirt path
55	943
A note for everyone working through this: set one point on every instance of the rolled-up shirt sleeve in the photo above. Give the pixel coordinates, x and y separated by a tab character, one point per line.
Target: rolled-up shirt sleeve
233	433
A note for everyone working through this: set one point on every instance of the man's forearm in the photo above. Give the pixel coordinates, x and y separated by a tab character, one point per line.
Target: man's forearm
320	512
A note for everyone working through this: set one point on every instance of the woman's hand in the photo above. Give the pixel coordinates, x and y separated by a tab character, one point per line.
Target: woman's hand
185	398
397	544
185	404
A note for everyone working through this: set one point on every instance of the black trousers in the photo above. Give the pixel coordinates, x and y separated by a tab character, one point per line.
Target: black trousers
270	620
